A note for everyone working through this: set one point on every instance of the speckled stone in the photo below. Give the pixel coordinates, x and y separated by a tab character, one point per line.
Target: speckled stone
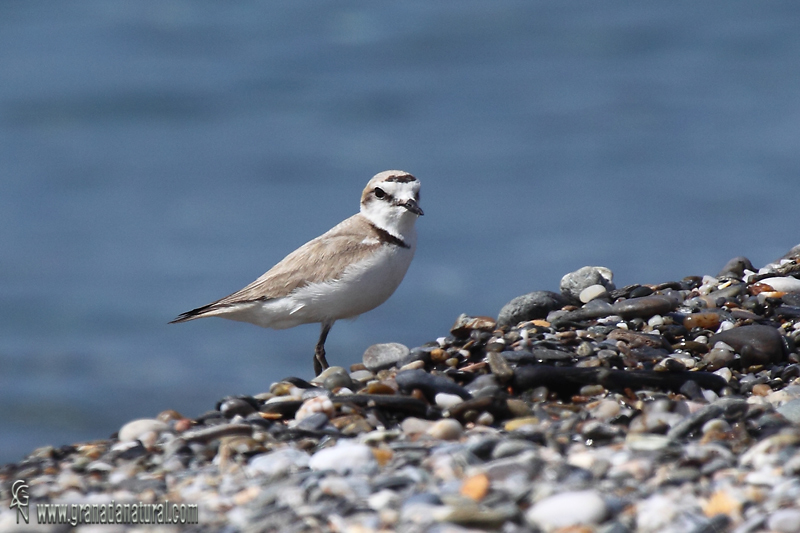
380	356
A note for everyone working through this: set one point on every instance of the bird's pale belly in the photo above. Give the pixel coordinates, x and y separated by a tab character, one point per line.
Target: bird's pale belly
363	287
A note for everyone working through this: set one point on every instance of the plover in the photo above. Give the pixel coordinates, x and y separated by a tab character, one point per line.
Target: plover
347	271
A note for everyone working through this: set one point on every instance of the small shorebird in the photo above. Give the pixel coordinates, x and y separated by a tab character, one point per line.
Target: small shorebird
349	270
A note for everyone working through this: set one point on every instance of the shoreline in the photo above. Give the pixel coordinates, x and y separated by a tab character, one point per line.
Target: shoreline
667	407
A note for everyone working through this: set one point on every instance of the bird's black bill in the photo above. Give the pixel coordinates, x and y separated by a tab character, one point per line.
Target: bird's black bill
412	206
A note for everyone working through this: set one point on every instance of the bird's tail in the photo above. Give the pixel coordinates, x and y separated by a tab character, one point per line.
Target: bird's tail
200	312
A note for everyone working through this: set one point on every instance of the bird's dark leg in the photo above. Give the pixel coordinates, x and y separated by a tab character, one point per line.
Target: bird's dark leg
320	363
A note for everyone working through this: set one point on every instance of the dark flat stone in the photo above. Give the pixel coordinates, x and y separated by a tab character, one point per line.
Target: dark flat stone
496	405
401	404
217	432
287	408
231	407
531	306
644	307
757	344
735	268
568	380
429	384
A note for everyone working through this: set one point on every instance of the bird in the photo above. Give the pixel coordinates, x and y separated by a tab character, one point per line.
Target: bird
352	268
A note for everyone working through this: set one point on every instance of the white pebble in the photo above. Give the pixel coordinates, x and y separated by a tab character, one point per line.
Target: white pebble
414	426
655	321
787	284
362	376
725	373
710	395
319	404
784	521
344	457
278	463
591	292
485	419
446	429
136	429
349	488
725	325
383	499
568	509
446	401
606	409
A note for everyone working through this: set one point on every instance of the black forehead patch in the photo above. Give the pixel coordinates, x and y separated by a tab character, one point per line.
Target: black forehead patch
402	178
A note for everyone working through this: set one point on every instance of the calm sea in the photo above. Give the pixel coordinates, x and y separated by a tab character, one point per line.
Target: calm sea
155	156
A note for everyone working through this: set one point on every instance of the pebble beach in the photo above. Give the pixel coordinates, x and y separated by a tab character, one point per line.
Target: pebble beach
654	407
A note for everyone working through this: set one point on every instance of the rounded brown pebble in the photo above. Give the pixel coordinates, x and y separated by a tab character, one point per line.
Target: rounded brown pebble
382	455
761	389
379	388
517	423
438	355
169	415
701	320
475	487
183	425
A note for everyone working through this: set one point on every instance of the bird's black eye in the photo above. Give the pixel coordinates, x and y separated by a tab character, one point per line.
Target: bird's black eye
379	193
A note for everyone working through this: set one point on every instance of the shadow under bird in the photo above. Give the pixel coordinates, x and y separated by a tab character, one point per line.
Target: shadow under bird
349	270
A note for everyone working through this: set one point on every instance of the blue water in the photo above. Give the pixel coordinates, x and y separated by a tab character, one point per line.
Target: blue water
155	156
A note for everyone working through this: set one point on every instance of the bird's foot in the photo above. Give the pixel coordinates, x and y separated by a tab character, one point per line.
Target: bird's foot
320	363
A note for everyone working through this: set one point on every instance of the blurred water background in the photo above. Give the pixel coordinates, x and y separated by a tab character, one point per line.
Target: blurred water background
155	156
